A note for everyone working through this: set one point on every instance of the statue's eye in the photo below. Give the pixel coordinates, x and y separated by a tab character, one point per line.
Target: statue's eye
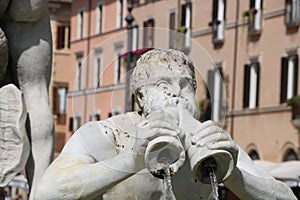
186	86
162	84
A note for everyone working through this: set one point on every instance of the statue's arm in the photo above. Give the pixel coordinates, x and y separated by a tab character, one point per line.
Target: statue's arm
249	182
75	174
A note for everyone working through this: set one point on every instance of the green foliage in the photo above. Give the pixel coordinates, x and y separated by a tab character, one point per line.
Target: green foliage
293	101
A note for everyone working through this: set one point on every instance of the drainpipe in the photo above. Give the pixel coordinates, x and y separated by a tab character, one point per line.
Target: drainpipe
178	13
129	19
87	61
235	52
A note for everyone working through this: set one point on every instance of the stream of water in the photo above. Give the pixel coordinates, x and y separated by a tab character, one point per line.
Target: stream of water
168	195
213	182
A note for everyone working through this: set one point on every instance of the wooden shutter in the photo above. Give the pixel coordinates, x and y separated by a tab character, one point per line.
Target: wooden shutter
119	75
172	25
257	66
71	124
283	81
98	117
210	84
221	106
152	24
60	37
296	66
145	33
55	100
215	10
183	13
246	86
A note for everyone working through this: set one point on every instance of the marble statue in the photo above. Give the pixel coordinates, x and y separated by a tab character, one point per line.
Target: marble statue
106	159
25	67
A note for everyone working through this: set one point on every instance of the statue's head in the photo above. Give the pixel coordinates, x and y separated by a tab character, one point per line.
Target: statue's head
162	75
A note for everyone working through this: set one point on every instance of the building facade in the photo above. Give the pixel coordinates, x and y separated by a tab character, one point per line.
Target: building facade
246	55
251	47
60	15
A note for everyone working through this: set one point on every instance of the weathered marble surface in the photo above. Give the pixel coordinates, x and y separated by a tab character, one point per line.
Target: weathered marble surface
14	144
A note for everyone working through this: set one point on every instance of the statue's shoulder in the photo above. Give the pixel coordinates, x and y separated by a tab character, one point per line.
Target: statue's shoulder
101	138
123	121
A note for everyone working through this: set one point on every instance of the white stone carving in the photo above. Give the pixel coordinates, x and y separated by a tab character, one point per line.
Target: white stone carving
13	137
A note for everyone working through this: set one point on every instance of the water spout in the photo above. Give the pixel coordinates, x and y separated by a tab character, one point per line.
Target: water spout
164	152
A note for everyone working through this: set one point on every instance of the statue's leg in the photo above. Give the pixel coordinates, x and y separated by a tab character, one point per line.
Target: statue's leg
30	46
13	138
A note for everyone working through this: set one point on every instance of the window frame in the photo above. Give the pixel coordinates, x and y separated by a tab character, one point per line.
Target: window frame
172	28
292	13
148	30
79	75
251	85
255	15
98	67
218	21
80	23
100	18
288	87
215	92
120	13
186	21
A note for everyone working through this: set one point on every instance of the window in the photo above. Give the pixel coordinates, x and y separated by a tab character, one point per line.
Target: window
59	102
135	38
148	40
289	77
99	20
218	22
79	74
95	116
98	67
136	2
114	112
292	12
132	102
120	17
172	27
251	85
63	37
74	123
290	155
215	92
186	21
255	16
254	155
80	23
118	69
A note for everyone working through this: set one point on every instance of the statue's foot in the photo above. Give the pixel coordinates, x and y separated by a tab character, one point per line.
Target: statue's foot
14	144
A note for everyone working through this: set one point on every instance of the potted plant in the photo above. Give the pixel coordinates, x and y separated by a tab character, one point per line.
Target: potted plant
294	102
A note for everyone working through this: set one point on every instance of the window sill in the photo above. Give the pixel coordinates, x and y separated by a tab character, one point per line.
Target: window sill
255	111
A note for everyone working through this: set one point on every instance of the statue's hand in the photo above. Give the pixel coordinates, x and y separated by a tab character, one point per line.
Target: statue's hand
156	124
209	135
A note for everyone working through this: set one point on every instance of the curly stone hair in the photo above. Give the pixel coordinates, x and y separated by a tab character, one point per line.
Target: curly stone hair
162	58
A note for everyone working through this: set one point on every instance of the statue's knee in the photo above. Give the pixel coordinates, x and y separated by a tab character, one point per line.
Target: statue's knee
27	10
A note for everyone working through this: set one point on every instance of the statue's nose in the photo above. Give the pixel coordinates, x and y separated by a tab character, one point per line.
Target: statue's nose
176	91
